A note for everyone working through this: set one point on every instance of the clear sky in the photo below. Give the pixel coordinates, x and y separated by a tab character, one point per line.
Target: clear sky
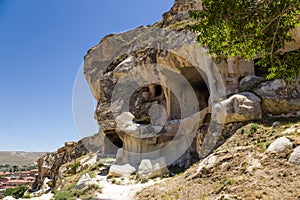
42	45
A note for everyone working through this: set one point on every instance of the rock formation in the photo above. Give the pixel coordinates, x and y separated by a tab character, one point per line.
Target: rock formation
156	89
49	165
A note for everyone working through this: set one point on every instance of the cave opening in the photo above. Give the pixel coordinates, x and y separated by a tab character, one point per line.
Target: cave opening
199	88
114	139
151	94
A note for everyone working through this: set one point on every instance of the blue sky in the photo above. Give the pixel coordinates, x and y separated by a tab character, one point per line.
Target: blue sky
42	45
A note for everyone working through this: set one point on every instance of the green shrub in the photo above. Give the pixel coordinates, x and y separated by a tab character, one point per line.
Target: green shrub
92	174
73	167
94	187
64	195
26	196
17	192
144	180
253	129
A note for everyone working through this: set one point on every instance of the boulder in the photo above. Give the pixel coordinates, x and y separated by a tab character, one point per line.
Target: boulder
279	145
84	181
295	156
276	124
153	168
121	170
278	97
249	82
240	107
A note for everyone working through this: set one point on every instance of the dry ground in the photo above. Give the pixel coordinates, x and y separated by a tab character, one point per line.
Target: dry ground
242	169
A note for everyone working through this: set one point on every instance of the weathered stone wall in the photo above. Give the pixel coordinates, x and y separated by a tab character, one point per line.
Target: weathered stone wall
153	60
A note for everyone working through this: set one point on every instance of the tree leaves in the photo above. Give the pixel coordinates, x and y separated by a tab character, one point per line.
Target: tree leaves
244	28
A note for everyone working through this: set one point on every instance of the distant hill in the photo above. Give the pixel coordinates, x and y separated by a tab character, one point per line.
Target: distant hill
19	157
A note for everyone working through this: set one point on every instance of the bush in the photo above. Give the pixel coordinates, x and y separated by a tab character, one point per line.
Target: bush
144	180
73	167
253	129
17	192
64	195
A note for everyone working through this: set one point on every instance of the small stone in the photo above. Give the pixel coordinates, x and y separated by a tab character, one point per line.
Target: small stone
208	162
226	197
291	131
279	145
121	170
84	181
295	156
276	124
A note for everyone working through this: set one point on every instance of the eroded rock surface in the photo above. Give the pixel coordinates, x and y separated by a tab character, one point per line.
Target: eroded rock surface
50	164
249	82
161	79
241	107
278	97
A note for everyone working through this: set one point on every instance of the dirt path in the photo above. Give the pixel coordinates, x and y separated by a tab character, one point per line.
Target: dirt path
123	191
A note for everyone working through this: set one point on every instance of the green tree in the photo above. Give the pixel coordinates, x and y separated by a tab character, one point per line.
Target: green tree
250	28
15	168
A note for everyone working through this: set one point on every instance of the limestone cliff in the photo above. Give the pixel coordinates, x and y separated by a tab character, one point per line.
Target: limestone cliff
50	164
157	91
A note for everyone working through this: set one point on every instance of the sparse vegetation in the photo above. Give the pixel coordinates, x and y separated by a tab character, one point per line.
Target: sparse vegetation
70	192
64	195
165	176
144	180
253	129
15	168
17	192
225	184
73	167
240	163
92	174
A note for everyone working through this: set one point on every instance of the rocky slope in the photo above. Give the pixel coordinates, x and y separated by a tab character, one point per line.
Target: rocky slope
259	161
50	164
254	160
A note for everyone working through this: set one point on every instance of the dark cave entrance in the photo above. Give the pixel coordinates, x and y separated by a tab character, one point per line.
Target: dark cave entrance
199	87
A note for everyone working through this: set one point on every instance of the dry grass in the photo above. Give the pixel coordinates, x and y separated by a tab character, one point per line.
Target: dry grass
242	169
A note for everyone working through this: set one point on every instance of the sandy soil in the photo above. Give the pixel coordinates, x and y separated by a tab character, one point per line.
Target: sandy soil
124	190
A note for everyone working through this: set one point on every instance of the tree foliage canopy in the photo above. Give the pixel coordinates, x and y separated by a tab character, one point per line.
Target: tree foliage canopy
248	28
